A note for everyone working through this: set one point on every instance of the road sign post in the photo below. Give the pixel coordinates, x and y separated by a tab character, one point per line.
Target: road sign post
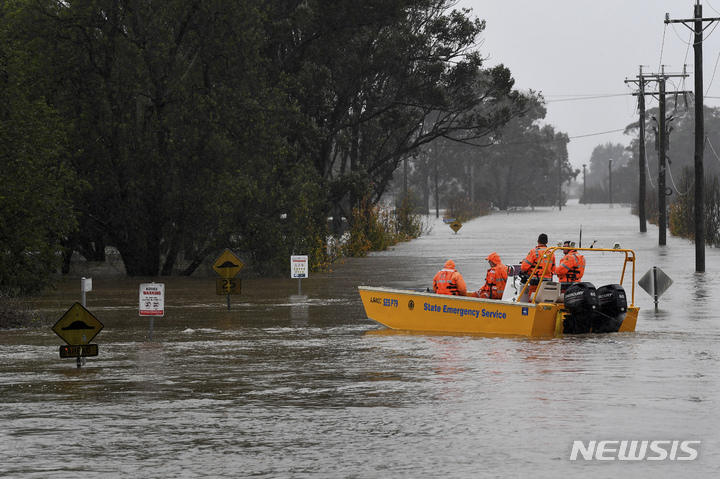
227	266
152	302
77	327
85	287
299	269
655	282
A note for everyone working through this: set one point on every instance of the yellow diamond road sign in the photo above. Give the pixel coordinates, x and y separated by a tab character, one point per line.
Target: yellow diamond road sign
455	226
227	265
78	326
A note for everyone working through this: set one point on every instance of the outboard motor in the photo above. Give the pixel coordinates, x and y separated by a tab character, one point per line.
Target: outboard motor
612	309
581	302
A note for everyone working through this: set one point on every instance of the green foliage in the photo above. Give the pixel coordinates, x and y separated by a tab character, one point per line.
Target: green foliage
15	313
681	213
37	184
525	166
462	210
408	223
309	229
373	228
369	230
203	125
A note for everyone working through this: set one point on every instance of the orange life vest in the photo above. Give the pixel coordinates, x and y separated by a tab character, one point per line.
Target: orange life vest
449	281
571	268
534	257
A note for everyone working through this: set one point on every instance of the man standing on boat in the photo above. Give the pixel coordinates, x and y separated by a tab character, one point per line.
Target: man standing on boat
495	279
449	281
537	256
572	267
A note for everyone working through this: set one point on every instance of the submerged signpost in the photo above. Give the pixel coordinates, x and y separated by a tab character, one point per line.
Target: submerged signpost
455	225
228	266
152	302
299	269
77	327
655	282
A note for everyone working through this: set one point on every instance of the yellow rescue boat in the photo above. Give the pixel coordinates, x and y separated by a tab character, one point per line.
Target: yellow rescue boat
554	308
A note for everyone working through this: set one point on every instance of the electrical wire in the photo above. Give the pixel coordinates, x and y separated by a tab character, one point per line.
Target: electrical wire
586	97
713	75
707	140
713	8
677	190
662	48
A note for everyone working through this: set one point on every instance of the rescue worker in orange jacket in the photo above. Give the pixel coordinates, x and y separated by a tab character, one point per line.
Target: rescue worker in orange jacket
495	279
537	256
572	267
449	281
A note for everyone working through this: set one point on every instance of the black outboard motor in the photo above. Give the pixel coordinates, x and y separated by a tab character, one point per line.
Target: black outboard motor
612	309
581	302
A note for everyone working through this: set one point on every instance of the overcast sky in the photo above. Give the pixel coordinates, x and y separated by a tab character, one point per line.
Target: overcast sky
578	54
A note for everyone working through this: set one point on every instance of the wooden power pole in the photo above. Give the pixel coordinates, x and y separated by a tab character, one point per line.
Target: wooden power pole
696	25
642	80
662	144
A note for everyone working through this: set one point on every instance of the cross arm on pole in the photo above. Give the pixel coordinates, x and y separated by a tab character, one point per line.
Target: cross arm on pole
690	22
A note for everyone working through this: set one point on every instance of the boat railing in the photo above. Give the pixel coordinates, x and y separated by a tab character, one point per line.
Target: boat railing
542	272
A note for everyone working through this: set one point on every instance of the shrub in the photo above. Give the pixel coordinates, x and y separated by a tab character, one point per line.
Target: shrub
462	210
15	313
681	220
373	228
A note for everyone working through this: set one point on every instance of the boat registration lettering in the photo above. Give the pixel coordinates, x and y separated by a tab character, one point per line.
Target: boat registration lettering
393	303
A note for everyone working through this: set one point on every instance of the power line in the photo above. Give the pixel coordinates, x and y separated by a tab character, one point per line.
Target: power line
586	97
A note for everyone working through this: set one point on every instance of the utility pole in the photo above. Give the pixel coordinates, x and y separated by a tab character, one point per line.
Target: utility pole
584	188
642	169
560	182
697	28
437	195
610	181
662	156
662	143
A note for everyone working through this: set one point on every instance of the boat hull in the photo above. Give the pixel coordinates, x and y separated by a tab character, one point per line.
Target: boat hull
416	311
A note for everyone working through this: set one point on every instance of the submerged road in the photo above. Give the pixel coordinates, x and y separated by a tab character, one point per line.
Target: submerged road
288	385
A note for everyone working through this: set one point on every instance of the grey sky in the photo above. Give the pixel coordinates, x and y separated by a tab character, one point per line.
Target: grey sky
579	53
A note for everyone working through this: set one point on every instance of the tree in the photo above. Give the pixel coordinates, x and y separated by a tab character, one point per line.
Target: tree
600	160
200	125
173	124
37	183
370	74
528	164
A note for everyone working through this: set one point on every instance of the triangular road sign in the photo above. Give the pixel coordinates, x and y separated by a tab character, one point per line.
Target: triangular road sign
227	265
78	326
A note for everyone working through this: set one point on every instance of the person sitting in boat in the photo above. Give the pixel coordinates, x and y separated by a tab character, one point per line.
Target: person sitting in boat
537	256
495	279
449	281
571	268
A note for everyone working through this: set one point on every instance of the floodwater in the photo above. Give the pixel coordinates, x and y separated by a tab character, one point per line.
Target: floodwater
302	384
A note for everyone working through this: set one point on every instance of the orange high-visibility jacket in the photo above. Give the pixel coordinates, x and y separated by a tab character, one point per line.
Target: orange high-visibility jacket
495	280
449	281
571	267
536	255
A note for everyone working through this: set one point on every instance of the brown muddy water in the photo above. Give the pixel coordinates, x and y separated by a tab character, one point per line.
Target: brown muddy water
304	385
